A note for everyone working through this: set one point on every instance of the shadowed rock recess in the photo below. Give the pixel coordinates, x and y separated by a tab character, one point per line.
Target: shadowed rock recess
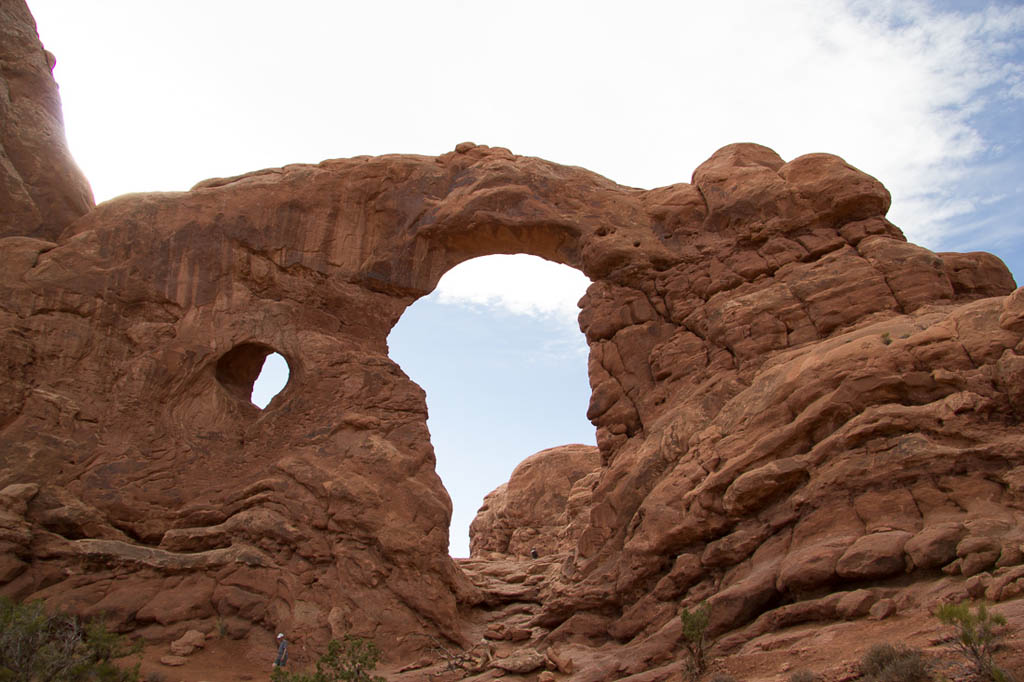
798	413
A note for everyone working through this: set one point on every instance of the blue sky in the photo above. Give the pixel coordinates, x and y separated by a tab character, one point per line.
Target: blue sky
926	96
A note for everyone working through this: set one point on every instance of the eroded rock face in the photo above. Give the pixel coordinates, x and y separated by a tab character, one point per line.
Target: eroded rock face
41	188
790	399
543	507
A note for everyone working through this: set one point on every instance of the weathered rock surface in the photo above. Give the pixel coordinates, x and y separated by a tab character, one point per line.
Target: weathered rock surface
793	404
523	661
41	188
543	506
187	643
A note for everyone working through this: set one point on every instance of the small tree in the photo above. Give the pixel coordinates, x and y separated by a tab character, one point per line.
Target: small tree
695	625
351	660
57	647
978	635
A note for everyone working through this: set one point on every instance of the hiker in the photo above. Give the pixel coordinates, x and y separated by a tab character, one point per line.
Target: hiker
282	651
533	553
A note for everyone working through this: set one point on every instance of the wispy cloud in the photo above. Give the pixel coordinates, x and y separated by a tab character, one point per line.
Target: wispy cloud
962	72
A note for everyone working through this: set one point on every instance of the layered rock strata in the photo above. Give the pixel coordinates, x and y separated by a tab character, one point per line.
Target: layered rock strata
792	403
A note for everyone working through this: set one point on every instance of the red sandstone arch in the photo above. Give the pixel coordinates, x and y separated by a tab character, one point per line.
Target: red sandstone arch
692	283
790	399
739	370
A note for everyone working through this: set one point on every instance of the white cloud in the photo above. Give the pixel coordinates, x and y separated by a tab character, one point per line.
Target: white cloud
948	68
520	284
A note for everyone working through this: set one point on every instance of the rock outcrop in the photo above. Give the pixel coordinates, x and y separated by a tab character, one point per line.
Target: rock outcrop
41	188
543	508
793	404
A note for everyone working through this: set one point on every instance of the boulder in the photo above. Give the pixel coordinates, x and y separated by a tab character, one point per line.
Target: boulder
978	553
521	662
188	643
855	604
882	609
935	546
877	555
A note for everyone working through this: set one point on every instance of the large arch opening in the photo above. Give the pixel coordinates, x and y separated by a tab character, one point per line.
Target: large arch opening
498	350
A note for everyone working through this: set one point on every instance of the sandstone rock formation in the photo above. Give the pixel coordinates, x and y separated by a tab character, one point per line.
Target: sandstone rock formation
41	188
543	507
798	412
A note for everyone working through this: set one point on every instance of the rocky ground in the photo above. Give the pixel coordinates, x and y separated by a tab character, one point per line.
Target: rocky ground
508	640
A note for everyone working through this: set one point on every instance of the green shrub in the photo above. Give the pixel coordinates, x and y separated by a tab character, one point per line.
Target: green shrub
351	660
978	635
36	646
803	676
695	625
888	663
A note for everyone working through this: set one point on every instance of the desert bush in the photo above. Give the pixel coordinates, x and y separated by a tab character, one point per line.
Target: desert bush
723	677
36	646
888	663
695	625
978	635
803	676
351	660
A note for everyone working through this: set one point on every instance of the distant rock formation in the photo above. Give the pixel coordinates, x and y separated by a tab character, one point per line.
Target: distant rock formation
544	506
792	403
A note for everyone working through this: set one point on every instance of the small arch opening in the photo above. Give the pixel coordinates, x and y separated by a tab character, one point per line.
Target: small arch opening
253	372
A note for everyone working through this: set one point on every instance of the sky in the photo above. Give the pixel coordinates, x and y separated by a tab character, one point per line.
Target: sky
926	96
